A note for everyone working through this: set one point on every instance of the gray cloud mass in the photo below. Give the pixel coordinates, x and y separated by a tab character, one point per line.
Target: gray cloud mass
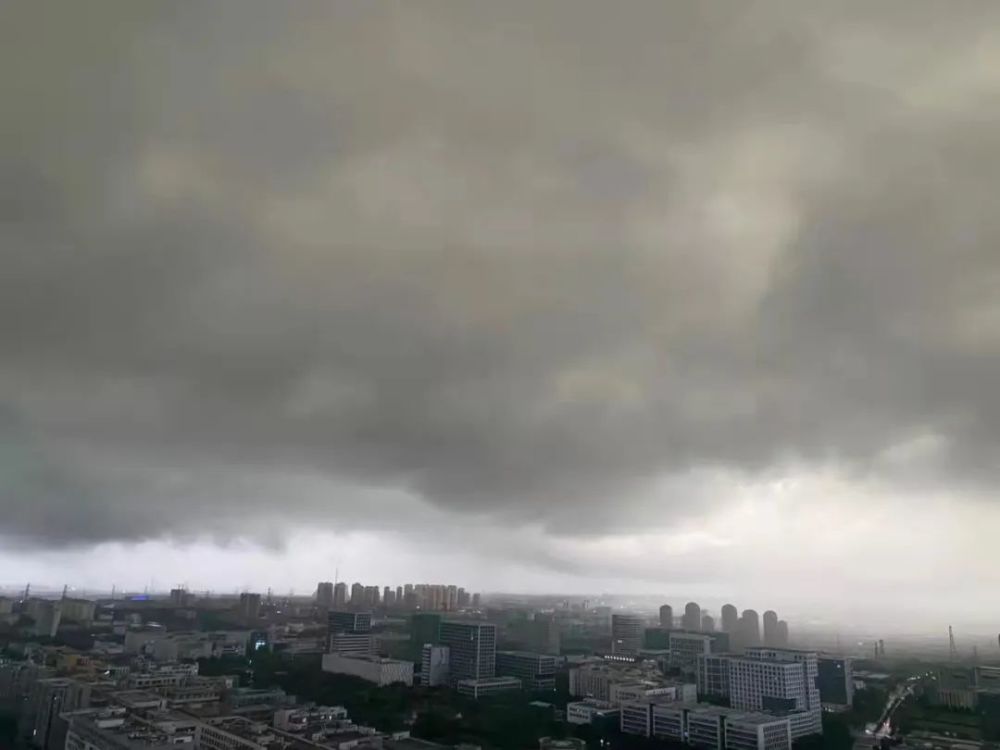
521	259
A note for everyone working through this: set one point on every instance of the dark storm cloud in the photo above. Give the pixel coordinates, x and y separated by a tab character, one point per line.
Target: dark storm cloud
516	259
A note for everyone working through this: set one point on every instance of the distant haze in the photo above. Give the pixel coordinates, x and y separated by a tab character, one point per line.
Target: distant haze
693	298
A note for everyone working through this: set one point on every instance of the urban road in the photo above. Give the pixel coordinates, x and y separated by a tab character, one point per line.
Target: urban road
883	728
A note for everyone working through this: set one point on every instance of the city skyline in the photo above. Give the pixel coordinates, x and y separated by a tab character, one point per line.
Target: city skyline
682	299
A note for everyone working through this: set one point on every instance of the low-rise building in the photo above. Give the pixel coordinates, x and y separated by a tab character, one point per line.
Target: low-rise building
119	729
590	711
704	726
673	691
487	686
565	743
536	671
371	668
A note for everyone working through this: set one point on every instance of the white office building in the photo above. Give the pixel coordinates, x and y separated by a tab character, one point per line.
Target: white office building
782	681
707	727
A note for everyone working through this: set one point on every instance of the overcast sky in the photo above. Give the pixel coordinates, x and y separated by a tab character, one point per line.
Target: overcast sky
692	298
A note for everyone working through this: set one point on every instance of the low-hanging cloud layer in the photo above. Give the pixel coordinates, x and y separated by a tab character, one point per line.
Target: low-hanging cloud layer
568	265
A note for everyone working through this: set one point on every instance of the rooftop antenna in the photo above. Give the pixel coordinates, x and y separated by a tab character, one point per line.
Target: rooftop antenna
952	650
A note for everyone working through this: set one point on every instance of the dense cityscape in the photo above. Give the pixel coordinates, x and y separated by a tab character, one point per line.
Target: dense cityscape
499	375
422	666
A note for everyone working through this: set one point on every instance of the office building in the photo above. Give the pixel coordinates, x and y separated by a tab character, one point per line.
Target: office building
705	727
536	671
117	728
249	606
48	699
399	596
691	620
758	732
424	627
730	618
685	647
635	717
668	721
780	681
661	716
749	629
351	644
707	623
771	628
473	649
156	676
349	633
712	675
324	595
487	686
434	664
591	711
625	692
666	616
388	596
626	634
341	621
836	681
374	669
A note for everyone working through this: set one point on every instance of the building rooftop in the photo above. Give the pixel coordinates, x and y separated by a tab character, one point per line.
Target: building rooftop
115	728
